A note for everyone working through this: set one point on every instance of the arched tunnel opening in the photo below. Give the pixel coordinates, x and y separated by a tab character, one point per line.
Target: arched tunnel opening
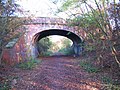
55	45
77	41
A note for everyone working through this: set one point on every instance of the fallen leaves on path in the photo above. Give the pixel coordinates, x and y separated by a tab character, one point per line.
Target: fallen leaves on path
56	73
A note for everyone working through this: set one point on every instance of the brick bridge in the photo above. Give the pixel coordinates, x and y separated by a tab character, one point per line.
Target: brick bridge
20	49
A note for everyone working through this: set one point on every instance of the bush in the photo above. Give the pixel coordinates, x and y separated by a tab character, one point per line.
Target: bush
48	53
89	67
109	84
5	85
28	65
66	51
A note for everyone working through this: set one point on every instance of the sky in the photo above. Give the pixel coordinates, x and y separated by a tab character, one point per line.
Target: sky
39	8
42	8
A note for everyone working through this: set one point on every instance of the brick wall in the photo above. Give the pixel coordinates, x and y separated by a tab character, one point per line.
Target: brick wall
16	54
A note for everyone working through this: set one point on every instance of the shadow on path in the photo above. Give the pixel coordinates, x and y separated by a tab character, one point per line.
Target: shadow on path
57	73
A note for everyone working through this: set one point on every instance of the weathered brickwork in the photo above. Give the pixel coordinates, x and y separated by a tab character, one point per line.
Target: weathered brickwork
16	54
24	48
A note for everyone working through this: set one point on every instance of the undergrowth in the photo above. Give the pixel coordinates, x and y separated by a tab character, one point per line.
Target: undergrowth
5	85
66	51
109	83
89	67
28	65
6	82
110	87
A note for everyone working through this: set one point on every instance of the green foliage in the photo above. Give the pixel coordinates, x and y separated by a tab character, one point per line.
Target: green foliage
48	53
109	84
111	87
5	85
45	43
67	51
89	67
66	43
8	21
86	20
43	46
106	80
95	21
89	48
68	3
28	65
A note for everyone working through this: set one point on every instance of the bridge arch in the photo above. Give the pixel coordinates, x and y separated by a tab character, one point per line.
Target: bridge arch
72	36
36	28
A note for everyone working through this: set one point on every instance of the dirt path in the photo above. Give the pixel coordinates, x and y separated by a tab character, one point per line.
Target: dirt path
56	73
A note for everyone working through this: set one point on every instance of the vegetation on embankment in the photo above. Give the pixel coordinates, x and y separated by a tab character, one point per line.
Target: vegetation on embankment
7	80
107	72
29	64
100	21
